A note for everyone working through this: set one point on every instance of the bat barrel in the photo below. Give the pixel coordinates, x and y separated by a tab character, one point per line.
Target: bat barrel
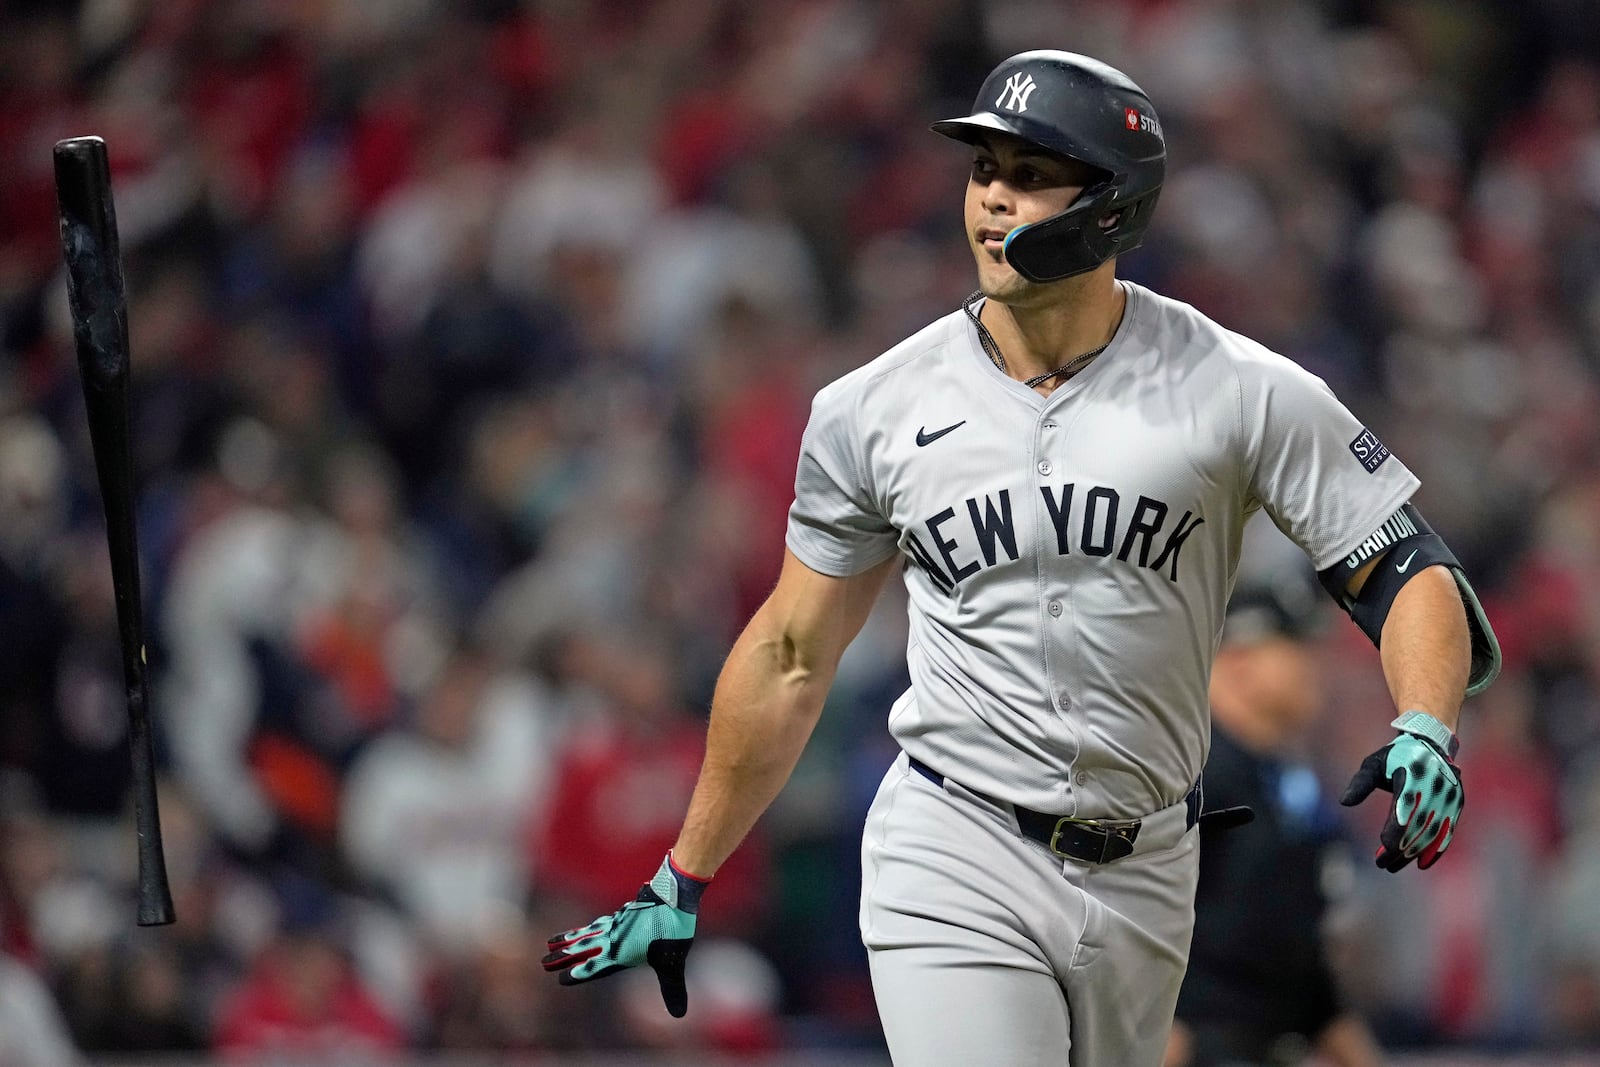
100	332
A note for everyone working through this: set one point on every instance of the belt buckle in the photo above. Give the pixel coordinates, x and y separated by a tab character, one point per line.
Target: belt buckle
1116	838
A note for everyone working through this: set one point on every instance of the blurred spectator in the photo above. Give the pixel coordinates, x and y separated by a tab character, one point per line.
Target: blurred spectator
1261	987
698	261
34	628
230	590
583	187
622	783
605	511
367	621
132	999
493	998
299	264
415	238
734	992
31	1030
292	641
157	990
82	764
434	815
473	347
302	999
63	911
1575	987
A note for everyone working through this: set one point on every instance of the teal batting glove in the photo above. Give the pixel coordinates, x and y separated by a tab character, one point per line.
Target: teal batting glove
655	927
1418	768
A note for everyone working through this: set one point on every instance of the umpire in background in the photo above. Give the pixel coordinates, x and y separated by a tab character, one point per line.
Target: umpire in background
1259	990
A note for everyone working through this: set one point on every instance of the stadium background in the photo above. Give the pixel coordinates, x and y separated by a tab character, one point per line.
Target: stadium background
472	345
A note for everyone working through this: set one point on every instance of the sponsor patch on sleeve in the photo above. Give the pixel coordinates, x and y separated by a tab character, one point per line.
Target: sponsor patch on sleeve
1369	450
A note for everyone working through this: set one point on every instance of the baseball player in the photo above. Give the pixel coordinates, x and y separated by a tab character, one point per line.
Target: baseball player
1061	470
1260	989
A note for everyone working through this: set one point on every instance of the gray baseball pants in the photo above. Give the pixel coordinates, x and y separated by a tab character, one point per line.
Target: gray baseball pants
988	949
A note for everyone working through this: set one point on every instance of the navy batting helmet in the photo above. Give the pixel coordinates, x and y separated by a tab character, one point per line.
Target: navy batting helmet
1288	602
1085	110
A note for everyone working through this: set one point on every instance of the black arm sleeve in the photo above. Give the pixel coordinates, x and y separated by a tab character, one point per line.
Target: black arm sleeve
1411	547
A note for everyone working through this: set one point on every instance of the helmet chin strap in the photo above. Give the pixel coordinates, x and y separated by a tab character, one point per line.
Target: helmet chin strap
1063	245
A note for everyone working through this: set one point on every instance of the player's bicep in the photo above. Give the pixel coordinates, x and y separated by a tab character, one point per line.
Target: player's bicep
815	616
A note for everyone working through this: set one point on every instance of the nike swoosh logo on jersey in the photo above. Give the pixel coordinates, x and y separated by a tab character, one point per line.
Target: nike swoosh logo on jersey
925	438
1400	568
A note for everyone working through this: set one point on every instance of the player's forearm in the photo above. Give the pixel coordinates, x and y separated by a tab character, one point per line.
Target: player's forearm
767	702
1426	650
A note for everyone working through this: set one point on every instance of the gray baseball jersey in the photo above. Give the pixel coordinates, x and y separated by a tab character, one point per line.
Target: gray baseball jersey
1069	557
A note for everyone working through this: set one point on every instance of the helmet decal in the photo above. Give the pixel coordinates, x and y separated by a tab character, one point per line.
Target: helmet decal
1014	97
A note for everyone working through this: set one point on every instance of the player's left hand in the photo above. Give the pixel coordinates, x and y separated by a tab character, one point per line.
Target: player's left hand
1417	768
655	927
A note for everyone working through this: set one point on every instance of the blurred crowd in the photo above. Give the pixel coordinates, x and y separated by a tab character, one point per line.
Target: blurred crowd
472	346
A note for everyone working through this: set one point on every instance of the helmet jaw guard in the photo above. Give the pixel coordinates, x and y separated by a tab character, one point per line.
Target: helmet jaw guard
1077	241
1087	111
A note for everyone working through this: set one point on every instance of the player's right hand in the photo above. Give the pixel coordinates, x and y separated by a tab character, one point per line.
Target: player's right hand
656	927
1428	796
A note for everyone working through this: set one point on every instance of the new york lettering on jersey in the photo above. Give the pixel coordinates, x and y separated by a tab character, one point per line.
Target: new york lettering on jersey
982	532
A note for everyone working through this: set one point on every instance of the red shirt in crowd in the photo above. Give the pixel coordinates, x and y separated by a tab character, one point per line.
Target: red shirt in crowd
304	1000
617	803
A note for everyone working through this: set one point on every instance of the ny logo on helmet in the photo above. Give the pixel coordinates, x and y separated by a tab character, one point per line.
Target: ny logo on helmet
1014	97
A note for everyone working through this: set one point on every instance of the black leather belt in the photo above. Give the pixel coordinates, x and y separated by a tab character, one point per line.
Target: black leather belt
1089	840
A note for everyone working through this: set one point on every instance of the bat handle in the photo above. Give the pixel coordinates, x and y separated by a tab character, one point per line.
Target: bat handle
155	894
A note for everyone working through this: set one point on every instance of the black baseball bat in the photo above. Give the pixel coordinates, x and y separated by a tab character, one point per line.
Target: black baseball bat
100	330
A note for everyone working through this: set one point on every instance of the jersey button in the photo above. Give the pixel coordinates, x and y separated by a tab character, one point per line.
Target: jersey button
1054	607
1044	466
1063	700
1082	778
